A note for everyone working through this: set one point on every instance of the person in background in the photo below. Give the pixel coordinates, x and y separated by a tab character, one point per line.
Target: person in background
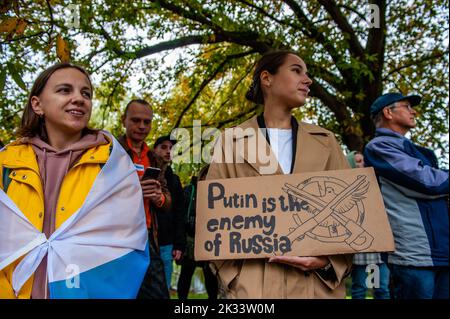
364	263
137	120
188	263
415	193
171	234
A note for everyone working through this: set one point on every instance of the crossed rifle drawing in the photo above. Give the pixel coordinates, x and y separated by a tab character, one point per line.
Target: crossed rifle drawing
357	237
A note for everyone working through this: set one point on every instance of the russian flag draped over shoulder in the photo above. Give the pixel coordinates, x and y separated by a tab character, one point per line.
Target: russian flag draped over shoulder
101	251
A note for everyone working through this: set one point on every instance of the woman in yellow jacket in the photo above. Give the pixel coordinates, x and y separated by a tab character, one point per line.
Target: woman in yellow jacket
50	170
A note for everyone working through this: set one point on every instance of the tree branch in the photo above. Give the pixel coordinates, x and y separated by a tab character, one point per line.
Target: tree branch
247	37
162	46
176	43
49	32
266	14
408	81
376	38
355	46
312	32
349	133
24	37
415	62
207	81
336	106
101	65
194	16
244	38
361	16
376	43
335	81
111	94
94	53
247	72
52	21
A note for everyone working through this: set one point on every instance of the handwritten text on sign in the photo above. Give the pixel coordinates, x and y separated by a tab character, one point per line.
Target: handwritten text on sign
306	215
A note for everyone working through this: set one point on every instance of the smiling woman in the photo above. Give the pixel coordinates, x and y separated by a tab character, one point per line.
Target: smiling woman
59	105
49	174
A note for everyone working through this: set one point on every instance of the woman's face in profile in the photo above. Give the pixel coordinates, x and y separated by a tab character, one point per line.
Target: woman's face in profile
290	85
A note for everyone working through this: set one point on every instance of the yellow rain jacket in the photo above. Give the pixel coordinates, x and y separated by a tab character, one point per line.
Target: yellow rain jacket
20	171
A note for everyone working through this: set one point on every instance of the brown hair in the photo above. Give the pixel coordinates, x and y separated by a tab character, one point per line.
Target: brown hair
270	61
32	124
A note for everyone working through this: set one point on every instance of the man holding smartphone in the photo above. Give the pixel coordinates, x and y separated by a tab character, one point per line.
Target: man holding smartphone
137	119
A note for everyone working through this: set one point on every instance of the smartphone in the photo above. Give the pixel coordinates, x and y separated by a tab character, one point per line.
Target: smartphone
151	173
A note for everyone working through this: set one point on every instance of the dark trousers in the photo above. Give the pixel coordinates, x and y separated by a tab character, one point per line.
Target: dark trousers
187	271
154	285
420	282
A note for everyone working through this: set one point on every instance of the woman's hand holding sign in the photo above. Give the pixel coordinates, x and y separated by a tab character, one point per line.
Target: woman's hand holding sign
304	263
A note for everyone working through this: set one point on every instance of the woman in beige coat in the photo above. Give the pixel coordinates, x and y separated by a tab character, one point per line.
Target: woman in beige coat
283	146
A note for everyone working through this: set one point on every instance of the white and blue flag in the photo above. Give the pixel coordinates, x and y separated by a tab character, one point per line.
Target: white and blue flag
101	251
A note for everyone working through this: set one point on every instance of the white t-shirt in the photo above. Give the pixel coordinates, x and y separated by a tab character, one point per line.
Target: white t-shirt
281	144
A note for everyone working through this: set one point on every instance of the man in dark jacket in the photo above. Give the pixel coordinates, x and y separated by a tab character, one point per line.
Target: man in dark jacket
137	120
415	193
171	236
188	264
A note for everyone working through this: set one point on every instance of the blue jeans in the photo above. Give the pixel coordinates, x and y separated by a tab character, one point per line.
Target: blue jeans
420	282
359	287
167	258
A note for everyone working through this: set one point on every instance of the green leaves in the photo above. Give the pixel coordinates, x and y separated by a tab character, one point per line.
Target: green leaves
15	74
410	54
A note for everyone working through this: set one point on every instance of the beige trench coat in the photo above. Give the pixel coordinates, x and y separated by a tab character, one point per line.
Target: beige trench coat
317	150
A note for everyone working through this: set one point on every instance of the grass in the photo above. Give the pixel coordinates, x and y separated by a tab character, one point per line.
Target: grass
192	295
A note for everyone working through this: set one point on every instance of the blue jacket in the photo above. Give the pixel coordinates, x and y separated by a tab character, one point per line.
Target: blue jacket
415	193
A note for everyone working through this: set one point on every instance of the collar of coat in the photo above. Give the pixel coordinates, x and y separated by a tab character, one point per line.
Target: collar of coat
155	160
425	154
382	131
311	151
21	155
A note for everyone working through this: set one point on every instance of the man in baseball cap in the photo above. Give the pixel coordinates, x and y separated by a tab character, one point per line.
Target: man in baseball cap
414	191
163	147
395	111
171	232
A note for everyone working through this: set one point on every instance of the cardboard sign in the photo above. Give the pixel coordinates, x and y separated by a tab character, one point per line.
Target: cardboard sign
311	214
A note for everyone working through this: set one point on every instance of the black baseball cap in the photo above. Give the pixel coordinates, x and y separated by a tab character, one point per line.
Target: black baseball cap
162	139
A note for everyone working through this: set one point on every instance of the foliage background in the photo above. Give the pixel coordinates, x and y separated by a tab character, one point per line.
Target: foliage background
194	59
